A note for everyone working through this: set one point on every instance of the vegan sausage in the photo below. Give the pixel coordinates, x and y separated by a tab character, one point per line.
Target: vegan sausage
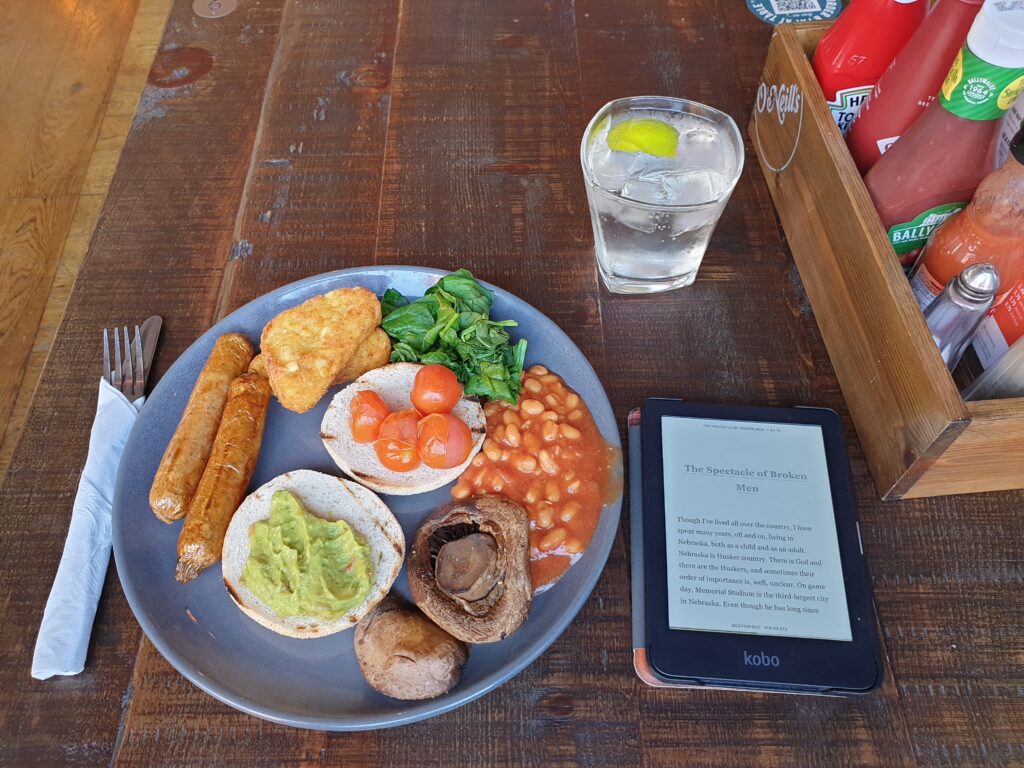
185	458
226	477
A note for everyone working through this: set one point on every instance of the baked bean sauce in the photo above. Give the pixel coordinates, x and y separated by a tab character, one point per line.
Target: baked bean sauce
547	454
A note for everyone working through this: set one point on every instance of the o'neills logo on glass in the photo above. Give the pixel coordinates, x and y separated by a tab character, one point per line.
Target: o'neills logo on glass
777	141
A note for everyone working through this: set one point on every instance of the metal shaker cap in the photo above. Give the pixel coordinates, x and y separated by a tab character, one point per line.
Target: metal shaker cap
978	282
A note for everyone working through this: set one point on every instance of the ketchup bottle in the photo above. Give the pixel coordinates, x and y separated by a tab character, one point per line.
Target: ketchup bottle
855	52
933	170
910	83
990	229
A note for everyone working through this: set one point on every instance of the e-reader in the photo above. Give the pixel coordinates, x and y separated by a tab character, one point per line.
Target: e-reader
748	570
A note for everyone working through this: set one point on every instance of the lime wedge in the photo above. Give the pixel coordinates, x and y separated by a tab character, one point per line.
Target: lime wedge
644	135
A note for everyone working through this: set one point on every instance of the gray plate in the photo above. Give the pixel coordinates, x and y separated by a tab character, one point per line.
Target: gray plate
316	683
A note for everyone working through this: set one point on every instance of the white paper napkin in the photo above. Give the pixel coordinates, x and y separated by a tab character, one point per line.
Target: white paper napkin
67	620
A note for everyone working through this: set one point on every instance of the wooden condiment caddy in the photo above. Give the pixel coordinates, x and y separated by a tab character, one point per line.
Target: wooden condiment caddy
919	436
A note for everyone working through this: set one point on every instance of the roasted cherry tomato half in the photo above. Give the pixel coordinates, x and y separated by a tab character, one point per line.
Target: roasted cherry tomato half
444	441
435	389
368	412
397	455
401	425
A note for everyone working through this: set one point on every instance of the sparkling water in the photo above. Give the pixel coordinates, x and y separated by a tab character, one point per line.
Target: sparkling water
653	216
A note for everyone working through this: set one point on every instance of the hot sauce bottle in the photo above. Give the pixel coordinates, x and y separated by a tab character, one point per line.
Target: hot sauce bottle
858	48
933	170
910	83
990	229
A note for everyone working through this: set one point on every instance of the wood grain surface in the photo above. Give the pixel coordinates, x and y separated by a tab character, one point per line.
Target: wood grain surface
64	253
57	65
897	389
919	437
332	133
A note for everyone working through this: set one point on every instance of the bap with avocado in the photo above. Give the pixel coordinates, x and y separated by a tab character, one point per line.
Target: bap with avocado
309	554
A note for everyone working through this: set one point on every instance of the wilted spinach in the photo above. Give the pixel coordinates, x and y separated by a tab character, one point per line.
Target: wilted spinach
451	325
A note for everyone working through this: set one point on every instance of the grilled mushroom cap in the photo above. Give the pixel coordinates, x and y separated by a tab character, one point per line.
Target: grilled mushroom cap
466	569
403	654
469	568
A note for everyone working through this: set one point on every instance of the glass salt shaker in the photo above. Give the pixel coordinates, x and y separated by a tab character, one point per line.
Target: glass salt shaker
954	316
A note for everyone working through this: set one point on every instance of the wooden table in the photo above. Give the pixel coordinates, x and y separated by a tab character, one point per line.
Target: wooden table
291	138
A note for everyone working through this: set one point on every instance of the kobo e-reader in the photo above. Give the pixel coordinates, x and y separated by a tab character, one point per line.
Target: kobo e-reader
747	566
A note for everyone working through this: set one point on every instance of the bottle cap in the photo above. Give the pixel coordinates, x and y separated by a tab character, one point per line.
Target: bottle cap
979	282
997	34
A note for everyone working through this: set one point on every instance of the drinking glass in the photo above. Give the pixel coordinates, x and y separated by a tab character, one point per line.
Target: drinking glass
653	215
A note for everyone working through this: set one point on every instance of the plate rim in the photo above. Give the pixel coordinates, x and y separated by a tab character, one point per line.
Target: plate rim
327	723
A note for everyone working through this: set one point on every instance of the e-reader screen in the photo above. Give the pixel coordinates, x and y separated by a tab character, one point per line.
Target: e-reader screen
750	530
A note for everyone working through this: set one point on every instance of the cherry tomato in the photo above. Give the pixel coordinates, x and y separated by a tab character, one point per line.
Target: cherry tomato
444	441
401	425
368	411
435	390
397	455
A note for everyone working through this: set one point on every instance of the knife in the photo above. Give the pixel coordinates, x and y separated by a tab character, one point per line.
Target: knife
150	330
150	335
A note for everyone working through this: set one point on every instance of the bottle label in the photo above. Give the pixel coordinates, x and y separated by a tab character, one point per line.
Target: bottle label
885	144
909	237
1002	328
1011	124
977	90
989	342
925	287
847	104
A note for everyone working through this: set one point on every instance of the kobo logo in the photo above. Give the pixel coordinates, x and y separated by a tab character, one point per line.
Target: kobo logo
761	659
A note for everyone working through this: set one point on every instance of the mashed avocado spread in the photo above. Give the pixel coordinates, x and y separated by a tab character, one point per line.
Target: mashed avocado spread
302	565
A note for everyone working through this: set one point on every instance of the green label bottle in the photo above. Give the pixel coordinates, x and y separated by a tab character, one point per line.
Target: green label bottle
934	168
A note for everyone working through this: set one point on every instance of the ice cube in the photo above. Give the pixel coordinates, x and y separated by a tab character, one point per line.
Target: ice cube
651	165
604	204
637	218
704	145
646	189
692	187
613	168
691	221
700	132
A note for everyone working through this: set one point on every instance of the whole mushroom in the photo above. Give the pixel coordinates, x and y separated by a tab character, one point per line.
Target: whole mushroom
405	655
469	568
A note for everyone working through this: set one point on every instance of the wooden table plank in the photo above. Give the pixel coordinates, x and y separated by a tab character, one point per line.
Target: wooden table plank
711	344
334	134
313	183
482	171
189	175
316	159
57	62
948	580
147	30
295	248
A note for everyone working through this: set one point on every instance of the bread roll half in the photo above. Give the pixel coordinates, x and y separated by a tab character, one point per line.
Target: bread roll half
359	460
330	498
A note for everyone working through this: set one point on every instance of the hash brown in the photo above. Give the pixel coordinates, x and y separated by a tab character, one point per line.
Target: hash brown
304	348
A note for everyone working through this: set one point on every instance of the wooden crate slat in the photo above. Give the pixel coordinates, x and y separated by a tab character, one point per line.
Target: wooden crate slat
919	436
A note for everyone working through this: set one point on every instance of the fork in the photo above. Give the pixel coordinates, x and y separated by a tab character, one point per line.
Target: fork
128	375
63	639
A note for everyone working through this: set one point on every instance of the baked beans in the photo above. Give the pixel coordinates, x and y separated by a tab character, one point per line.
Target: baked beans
547	454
